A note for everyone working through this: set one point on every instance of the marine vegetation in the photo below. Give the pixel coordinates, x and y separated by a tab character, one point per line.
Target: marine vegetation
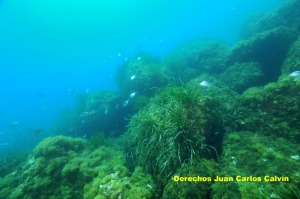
10	160
286	16
174	129
272	110
198	189
268	49
64	167
292	62
143	74
197	57
261	157
225	99
94	112
241	76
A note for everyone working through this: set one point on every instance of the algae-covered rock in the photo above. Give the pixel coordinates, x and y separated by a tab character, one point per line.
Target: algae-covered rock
253	161
119	184
94	112
268	48
287	15
194	58
58	146
62	166
198	186
224	98
241	76
172	130
10	160
292	62
143	74
272	110
103	112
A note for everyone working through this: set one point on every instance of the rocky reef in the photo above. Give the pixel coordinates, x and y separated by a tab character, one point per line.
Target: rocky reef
208	121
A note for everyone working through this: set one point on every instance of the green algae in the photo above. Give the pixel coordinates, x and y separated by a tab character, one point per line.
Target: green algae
64	167
250	154
272	110
143	74
268	48
196	189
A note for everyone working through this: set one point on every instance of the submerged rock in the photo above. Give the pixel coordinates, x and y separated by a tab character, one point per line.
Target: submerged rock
287	15
268	48
259	165
272	110
292	61
241	76
65	167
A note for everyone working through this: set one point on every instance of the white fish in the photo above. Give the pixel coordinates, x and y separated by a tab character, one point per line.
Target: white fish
84	114
295	74
106	111
93	112
87	113
1	133
72	90
132	95
295	157
132	77
149	186
205	84
14	125
139	58
43	108
125	103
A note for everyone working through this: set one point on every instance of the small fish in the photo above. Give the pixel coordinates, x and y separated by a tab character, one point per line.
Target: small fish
84	114
149	186
72	90
41	95
42	108
132	77
14	125
106	111
87	113
125	103
295	74
93	112
132	95
139	58
295	157
119	54
1	133
205	84
3	144
37	132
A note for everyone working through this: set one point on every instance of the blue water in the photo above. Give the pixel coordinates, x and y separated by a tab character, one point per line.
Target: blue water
50	48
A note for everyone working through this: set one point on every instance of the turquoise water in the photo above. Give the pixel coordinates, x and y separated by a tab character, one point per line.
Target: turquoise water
50	47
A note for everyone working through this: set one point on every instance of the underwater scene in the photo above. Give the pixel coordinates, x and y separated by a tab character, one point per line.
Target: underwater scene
112	99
